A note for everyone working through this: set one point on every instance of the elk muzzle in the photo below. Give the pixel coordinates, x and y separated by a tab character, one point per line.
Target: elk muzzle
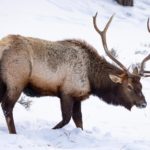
141	104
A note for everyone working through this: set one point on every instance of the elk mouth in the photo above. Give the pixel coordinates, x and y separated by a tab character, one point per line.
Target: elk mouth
141	104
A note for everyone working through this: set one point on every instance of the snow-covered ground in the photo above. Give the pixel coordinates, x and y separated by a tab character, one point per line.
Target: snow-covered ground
106	127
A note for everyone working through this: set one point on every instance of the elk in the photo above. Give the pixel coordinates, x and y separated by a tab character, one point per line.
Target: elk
69	69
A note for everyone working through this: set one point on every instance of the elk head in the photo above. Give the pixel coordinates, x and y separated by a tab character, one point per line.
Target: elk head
130	87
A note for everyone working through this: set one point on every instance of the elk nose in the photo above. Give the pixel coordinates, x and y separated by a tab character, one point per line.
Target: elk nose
141	104
144	105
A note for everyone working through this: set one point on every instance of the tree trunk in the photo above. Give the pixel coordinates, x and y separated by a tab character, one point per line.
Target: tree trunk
126	2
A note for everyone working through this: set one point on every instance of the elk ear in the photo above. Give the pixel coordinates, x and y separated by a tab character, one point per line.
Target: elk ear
115	79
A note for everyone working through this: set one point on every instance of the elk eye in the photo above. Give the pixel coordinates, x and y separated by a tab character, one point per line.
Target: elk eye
130	87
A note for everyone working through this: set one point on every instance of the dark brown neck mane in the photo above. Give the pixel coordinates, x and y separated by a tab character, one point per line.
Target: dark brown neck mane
98	72
102	86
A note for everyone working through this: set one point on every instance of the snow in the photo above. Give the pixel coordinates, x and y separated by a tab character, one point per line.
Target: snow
106	127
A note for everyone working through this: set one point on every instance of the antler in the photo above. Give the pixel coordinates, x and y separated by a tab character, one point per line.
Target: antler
148	25
103	37
142	71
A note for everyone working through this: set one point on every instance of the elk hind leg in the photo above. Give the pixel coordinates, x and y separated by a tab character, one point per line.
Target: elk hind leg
2	90
8	103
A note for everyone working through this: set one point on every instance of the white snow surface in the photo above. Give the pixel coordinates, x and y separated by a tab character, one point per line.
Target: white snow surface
106	127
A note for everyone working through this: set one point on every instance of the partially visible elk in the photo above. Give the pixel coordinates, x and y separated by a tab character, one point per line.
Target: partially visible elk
69	69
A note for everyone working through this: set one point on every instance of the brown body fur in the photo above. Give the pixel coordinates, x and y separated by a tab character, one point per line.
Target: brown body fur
69	69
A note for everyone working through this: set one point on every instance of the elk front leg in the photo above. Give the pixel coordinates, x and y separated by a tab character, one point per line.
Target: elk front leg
66	109
77	115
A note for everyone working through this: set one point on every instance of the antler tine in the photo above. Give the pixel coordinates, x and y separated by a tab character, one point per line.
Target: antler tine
145	71
148	25
103	37
142	66
147	74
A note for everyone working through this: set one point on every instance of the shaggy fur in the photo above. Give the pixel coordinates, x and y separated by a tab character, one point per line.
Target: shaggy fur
70	69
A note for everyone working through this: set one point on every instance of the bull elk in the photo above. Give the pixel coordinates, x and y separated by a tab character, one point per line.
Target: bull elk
69	69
